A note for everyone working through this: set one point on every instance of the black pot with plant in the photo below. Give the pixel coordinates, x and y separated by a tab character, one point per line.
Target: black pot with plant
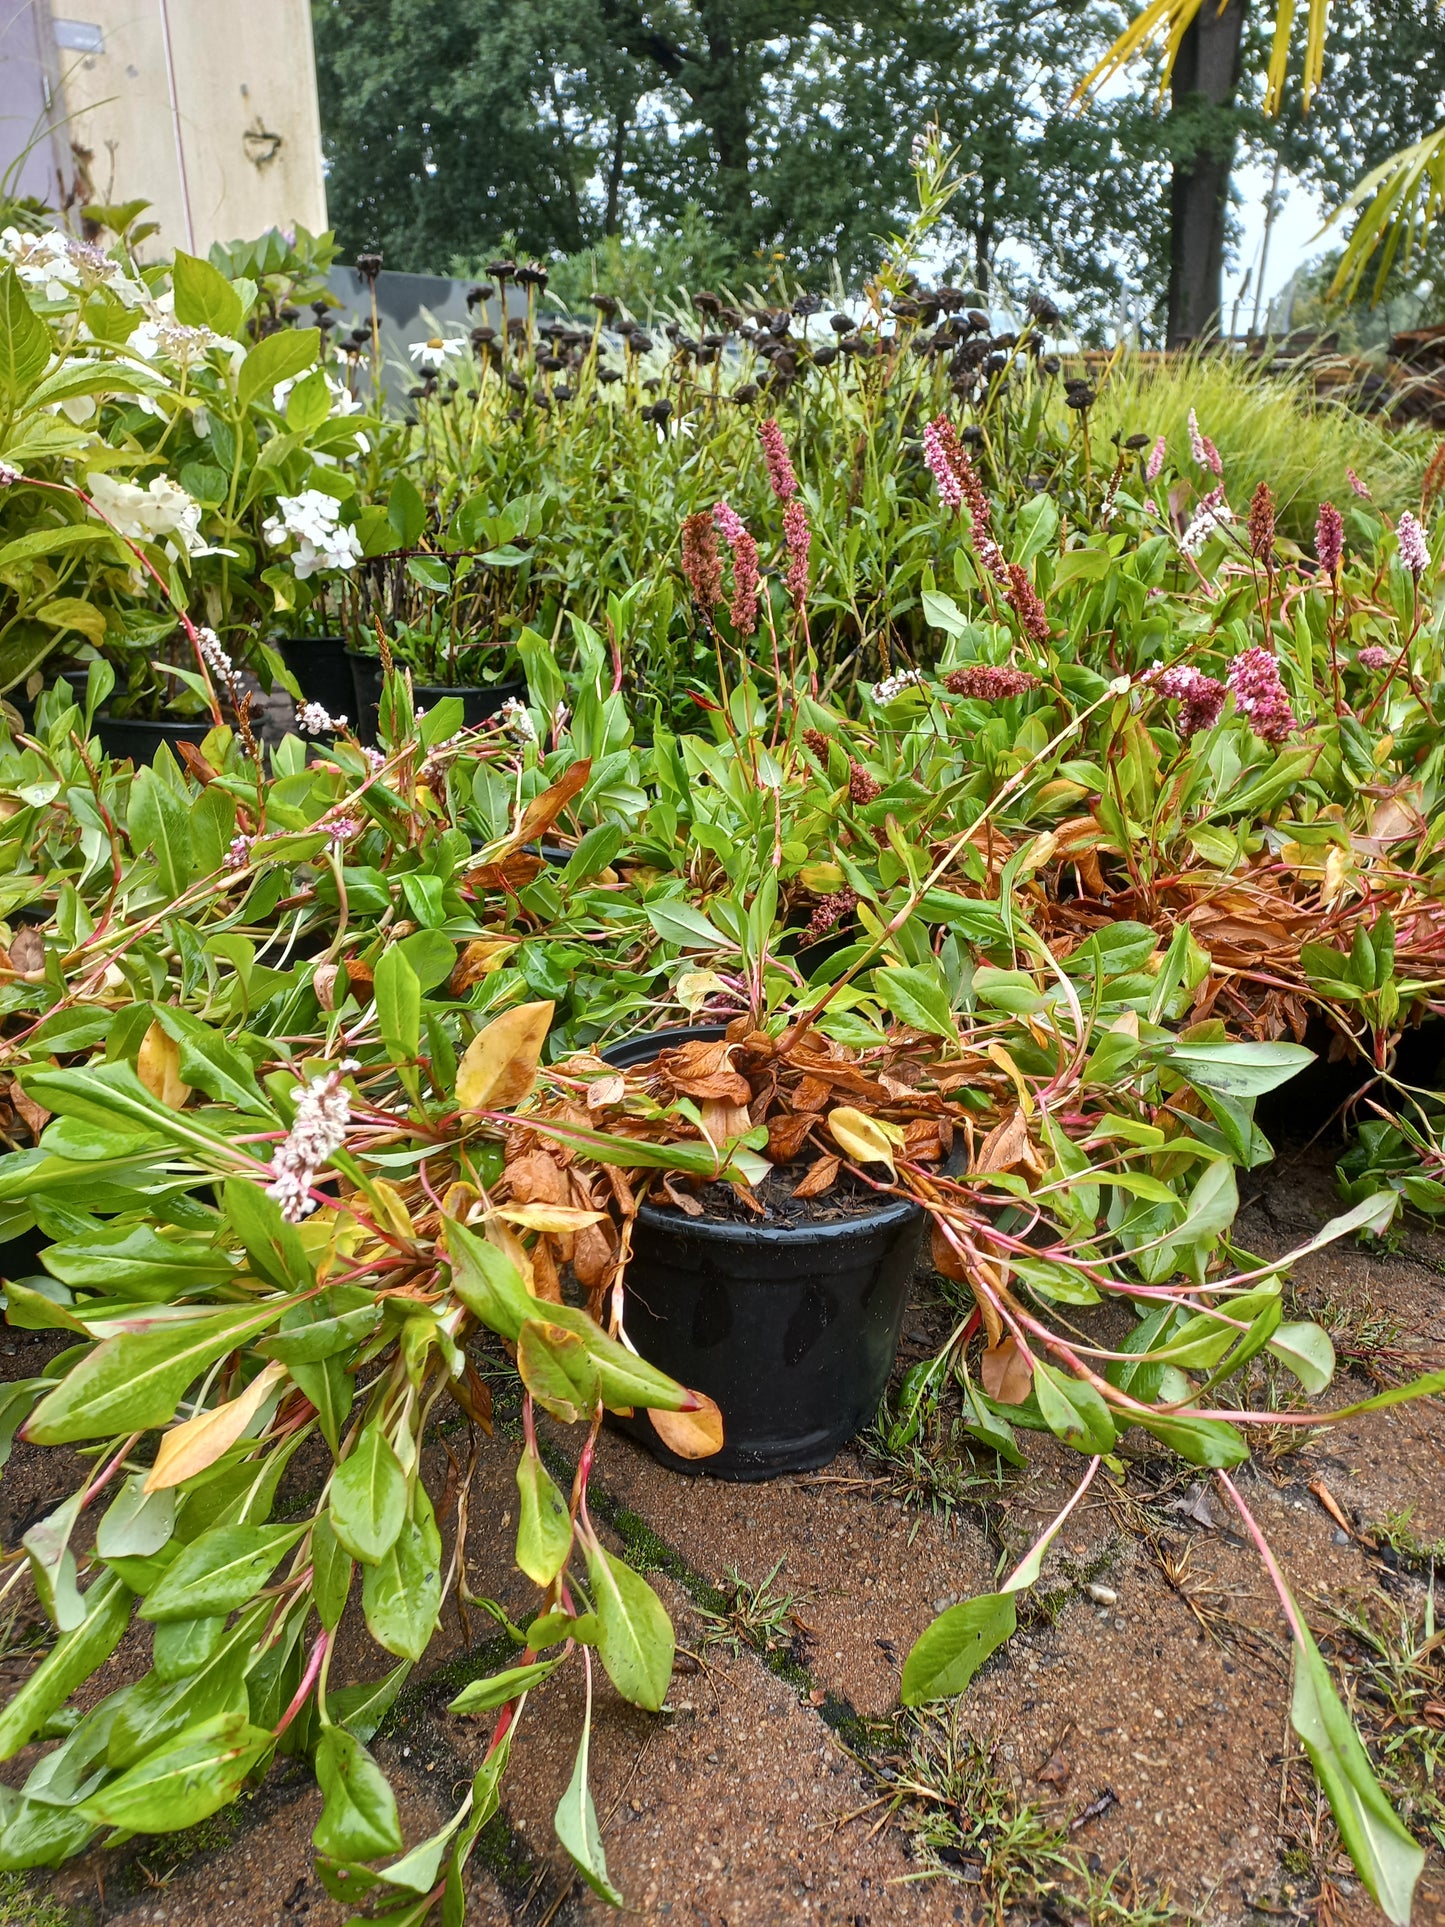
791	1328
321	671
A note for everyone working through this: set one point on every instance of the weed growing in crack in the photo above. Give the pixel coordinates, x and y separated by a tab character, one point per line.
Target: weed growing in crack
755	1616
967	1821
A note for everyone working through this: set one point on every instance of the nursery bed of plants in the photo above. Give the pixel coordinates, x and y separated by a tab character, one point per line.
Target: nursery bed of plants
844	834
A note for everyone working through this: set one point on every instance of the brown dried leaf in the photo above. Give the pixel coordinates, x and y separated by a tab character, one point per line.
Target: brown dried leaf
593	1253
692	1435
542	812
819	1177
190	1447
812	1093
35	1115
513	873
359	978
27	952
1006	1146
787	1135
158	1066
500	1064
545	1282
684	1200
324	979
558	1220
536	1178
729	1085
472	1392
723	1120
603	1091
1008	1375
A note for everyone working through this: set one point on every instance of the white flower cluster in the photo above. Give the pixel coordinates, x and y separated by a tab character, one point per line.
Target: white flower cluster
894	686
239	854
161	512
323	1112
1211	514
10	475
516	719
323	540
214	655
56	263
313	719
164	335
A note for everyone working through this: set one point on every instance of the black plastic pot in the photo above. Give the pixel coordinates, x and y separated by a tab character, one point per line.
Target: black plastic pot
478	701
322	672
791	1329
139	737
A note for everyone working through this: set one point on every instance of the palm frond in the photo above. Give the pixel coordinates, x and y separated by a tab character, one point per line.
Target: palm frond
1170	20
1406	194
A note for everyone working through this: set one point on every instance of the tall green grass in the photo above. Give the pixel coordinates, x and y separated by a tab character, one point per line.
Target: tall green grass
1268	428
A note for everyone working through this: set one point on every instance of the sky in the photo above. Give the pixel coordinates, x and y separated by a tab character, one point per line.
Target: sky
1292	240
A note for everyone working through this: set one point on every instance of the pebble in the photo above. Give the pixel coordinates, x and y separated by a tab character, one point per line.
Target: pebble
1102	1595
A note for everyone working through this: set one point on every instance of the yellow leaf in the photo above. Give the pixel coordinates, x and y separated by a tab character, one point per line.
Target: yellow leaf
1005	1063
549	1217
189	1448
692	1435
694	987
500	1065
158	1066
393	1208
866	1139
479	959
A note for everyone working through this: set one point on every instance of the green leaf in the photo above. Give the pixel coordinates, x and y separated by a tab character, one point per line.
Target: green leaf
368	1498
406	511
1307	1351
577	1829
401	1594
25	344
136	1380
679	923
1238	1070
634	1633
557	1369
544	1526
219	1571
950	1651
139	1262
1202	1441
915	998
72	1659
275	1251
330	1388
483	1695
331	1574
1386	1858
359	1820
204	297
275	359
1073	1410
159	823
398	1005
418	1869
185	1780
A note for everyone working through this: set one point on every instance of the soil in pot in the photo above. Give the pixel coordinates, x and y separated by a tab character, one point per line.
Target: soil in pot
791	1327
479	701
322	672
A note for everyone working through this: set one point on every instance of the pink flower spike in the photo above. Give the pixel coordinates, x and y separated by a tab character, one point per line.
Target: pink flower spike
1156	460
782	480
1414	550
1330	538
1357	485
797	538
1260	697
936	452
1202	449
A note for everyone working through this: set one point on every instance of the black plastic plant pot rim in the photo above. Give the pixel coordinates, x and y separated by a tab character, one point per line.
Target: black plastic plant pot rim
633	1051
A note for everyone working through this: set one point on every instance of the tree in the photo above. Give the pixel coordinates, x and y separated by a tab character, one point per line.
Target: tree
1401	198
1203	85
449	120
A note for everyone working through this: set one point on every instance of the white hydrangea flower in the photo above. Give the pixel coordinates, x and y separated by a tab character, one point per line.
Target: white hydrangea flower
343	402
163	511
323	540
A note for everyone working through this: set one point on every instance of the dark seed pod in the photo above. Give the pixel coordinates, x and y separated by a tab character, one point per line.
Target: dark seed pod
746	391
609	374
825	356
1051	364
368	266
605	304
840	323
